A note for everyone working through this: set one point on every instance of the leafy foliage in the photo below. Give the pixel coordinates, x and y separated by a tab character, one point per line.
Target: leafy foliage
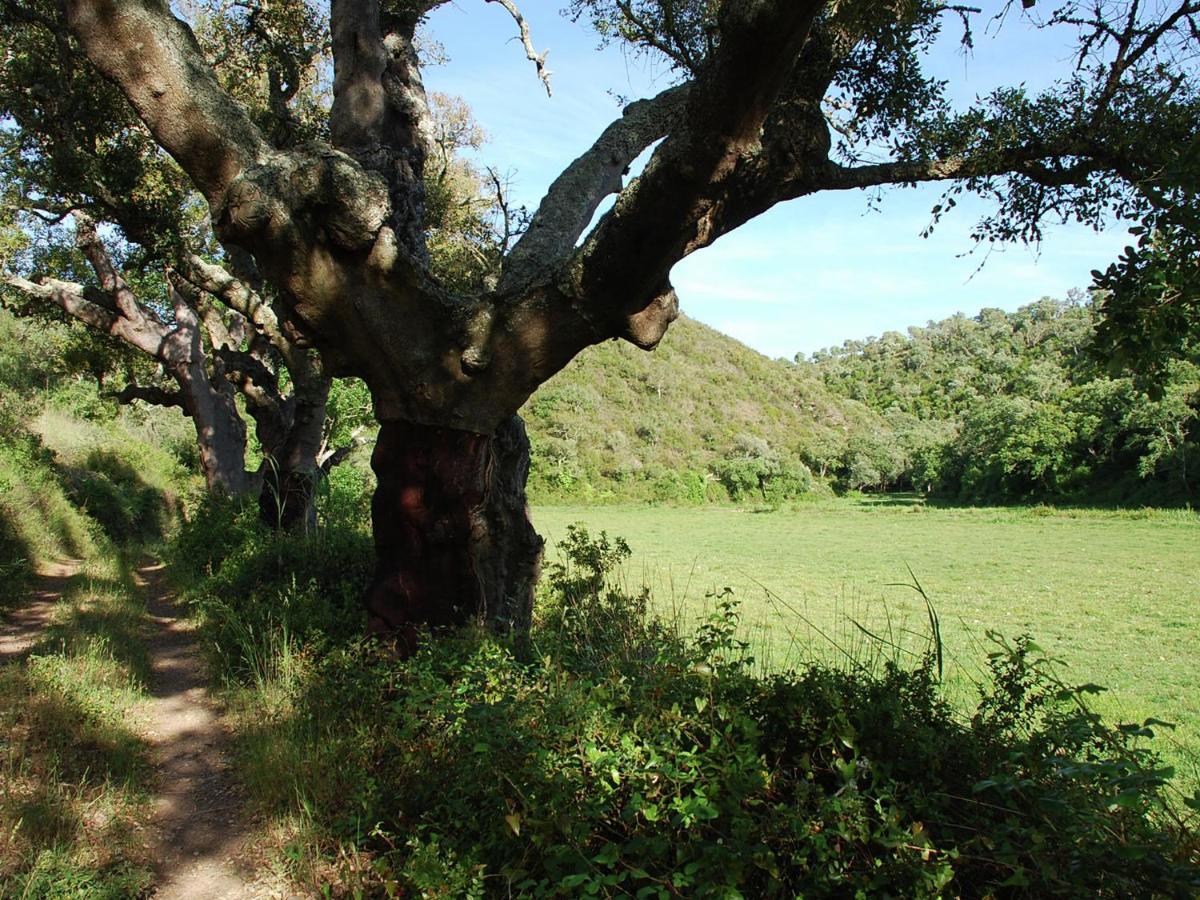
1013	406
706	419
1151	305
611	754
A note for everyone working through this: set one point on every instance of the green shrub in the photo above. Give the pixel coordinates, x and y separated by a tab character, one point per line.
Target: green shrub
110	488
344	497
674	486
610	755
15	563
36	514
256	589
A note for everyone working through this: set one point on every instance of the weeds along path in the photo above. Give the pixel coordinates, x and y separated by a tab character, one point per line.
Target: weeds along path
21	627
203	832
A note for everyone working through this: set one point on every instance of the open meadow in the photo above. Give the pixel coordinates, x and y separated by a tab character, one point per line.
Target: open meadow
1114	595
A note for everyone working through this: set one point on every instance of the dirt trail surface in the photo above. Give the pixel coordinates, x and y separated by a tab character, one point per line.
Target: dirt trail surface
199	815
20	628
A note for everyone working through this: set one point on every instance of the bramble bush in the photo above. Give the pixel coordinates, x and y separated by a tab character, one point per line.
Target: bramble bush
607	753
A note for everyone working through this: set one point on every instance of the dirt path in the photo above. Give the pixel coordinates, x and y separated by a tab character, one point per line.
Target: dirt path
198	809
21	628
202	844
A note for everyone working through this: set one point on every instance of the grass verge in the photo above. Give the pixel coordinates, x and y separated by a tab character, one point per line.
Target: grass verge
74	778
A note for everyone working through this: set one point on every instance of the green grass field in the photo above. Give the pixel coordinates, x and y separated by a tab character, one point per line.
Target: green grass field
1114	595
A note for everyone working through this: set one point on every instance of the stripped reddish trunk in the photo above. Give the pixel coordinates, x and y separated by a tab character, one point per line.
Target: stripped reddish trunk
453	540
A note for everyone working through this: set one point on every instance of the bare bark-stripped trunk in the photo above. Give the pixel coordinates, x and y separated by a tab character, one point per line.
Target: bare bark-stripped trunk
453	538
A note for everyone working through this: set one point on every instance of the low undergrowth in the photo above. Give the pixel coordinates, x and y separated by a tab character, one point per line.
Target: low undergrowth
607	754
38	522
74	778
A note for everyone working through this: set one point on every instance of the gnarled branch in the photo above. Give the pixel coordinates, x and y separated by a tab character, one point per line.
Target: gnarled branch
71	298
538	59
155	396
155	60
622	268
238	296
575	195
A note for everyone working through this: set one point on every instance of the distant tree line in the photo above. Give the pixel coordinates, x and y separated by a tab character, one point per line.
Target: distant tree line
1018	406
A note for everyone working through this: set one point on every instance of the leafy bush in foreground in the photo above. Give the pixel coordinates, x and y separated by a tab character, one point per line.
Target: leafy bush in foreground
609	755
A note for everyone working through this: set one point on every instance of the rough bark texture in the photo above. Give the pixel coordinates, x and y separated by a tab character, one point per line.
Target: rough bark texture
291	475
453	539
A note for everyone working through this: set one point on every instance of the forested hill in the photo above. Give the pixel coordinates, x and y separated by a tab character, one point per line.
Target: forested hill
1016	406
702	417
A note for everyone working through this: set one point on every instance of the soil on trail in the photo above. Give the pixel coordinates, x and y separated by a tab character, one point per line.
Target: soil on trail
203	840
21	627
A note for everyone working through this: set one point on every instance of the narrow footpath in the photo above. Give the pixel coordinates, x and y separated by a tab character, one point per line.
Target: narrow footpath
202	840
198	811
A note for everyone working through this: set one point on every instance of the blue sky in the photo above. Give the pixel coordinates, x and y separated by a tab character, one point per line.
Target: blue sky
810	273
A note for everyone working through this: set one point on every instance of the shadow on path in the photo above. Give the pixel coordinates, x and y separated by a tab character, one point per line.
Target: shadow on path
199	811
24	625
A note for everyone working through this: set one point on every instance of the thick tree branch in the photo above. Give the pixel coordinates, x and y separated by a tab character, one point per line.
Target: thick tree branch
114	311
155	60
573	198
238	296
252	377
225	328
70	298
360	109
1036	163
155	396
621	270
380	115
111	282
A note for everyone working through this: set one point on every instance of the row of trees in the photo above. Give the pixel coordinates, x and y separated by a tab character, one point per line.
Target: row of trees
1017	406
290	217
98	225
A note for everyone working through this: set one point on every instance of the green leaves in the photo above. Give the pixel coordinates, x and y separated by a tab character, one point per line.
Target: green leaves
684	32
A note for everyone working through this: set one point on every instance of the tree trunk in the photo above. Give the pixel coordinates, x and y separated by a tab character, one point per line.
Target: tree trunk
220	431
453	540
287	499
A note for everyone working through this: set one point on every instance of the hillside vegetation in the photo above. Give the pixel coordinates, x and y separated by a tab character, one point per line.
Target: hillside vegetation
997	407
1016	407
704	417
